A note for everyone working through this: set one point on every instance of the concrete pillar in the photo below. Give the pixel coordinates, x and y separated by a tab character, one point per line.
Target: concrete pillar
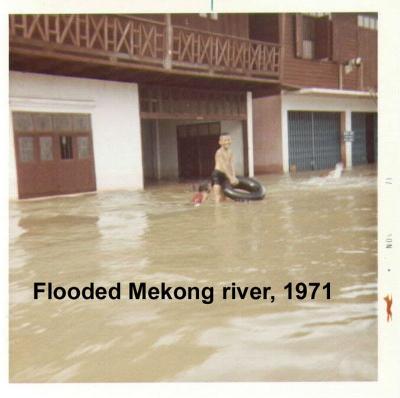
285	137
12	169
168	42
341	138
348	145
250	133
158	154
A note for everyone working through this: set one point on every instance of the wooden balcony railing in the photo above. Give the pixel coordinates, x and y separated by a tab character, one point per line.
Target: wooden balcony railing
97	35
140	41
218	52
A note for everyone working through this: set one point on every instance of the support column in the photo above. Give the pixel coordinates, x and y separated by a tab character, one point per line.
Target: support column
348	144
168	42
341	138
285	137
361	73
250	133
12	169
340	77
158	154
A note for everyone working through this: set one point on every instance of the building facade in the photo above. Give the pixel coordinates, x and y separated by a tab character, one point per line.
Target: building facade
116	101
328	87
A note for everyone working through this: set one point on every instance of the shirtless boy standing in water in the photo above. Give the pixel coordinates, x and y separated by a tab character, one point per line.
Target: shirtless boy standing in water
224	169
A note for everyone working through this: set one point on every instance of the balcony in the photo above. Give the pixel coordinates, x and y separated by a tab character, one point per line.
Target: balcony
143	45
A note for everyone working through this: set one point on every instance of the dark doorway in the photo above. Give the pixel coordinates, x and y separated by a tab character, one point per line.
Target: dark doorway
364	146
371	137
197	144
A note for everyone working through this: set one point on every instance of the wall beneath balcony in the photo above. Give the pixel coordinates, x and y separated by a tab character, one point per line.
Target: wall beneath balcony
267	135
114	110
160	146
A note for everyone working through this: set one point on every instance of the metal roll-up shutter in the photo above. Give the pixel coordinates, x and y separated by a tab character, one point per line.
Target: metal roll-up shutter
326	139
314	140
359	145
300	140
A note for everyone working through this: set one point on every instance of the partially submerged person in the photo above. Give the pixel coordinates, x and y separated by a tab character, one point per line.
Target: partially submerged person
202	193
224	168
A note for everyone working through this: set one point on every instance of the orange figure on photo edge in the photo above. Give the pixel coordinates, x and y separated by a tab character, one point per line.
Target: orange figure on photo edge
388	307
202	193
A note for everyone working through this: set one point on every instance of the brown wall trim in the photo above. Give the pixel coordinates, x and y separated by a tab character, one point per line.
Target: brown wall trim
191	116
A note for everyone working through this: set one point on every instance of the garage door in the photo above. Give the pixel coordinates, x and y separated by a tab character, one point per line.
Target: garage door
54	154
314	140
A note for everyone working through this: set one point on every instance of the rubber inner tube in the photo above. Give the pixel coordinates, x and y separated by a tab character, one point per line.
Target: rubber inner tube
253	189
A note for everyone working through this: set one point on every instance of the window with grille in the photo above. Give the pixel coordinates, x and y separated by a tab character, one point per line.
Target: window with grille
83	148
47	131
313	36
308	37
46	148
368	22
26	149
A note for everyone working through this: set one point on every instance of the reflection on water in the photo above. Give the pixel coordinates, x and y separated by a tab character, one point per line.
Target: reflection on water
308	229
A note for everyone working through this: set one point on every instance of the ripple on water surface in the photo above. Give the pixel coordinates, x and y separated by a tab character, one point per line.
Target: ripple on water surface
307	229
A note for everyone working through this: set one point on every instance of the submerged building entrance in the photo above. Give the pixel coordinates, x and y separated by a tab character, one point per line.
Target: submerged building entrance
180	131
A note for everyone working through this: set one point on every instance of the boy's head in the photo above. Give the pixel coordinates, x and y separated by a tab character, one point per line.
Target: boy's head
225	140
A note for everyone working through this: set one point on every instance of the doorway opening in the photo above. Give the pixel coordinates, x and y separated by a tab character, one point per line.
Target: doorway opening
179	150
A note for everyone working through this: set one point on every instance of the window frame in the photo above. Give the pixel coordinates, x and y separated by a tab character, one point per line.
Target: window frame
41	137
320	45
20	152
367	21
69	149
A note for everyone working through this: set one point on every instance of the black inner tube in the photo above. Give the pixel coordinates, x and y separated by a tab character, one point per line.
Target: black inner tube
253	189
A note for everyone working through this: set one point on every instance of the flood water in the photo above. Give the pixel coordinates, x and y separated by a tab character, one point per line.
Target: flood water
308	229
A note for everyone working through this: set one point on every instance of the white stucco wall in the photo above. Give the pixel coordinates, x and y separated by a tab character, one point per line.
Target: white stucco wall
12	166
296	102
250	133
160	151
114	109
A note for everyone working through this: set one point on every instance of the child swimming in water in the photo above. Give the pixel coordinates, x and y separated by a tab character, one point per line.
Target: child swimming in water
202	194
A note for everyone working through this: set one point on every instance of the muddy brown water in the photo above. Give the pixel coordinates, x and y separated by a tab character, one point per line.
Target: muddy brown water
308	229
